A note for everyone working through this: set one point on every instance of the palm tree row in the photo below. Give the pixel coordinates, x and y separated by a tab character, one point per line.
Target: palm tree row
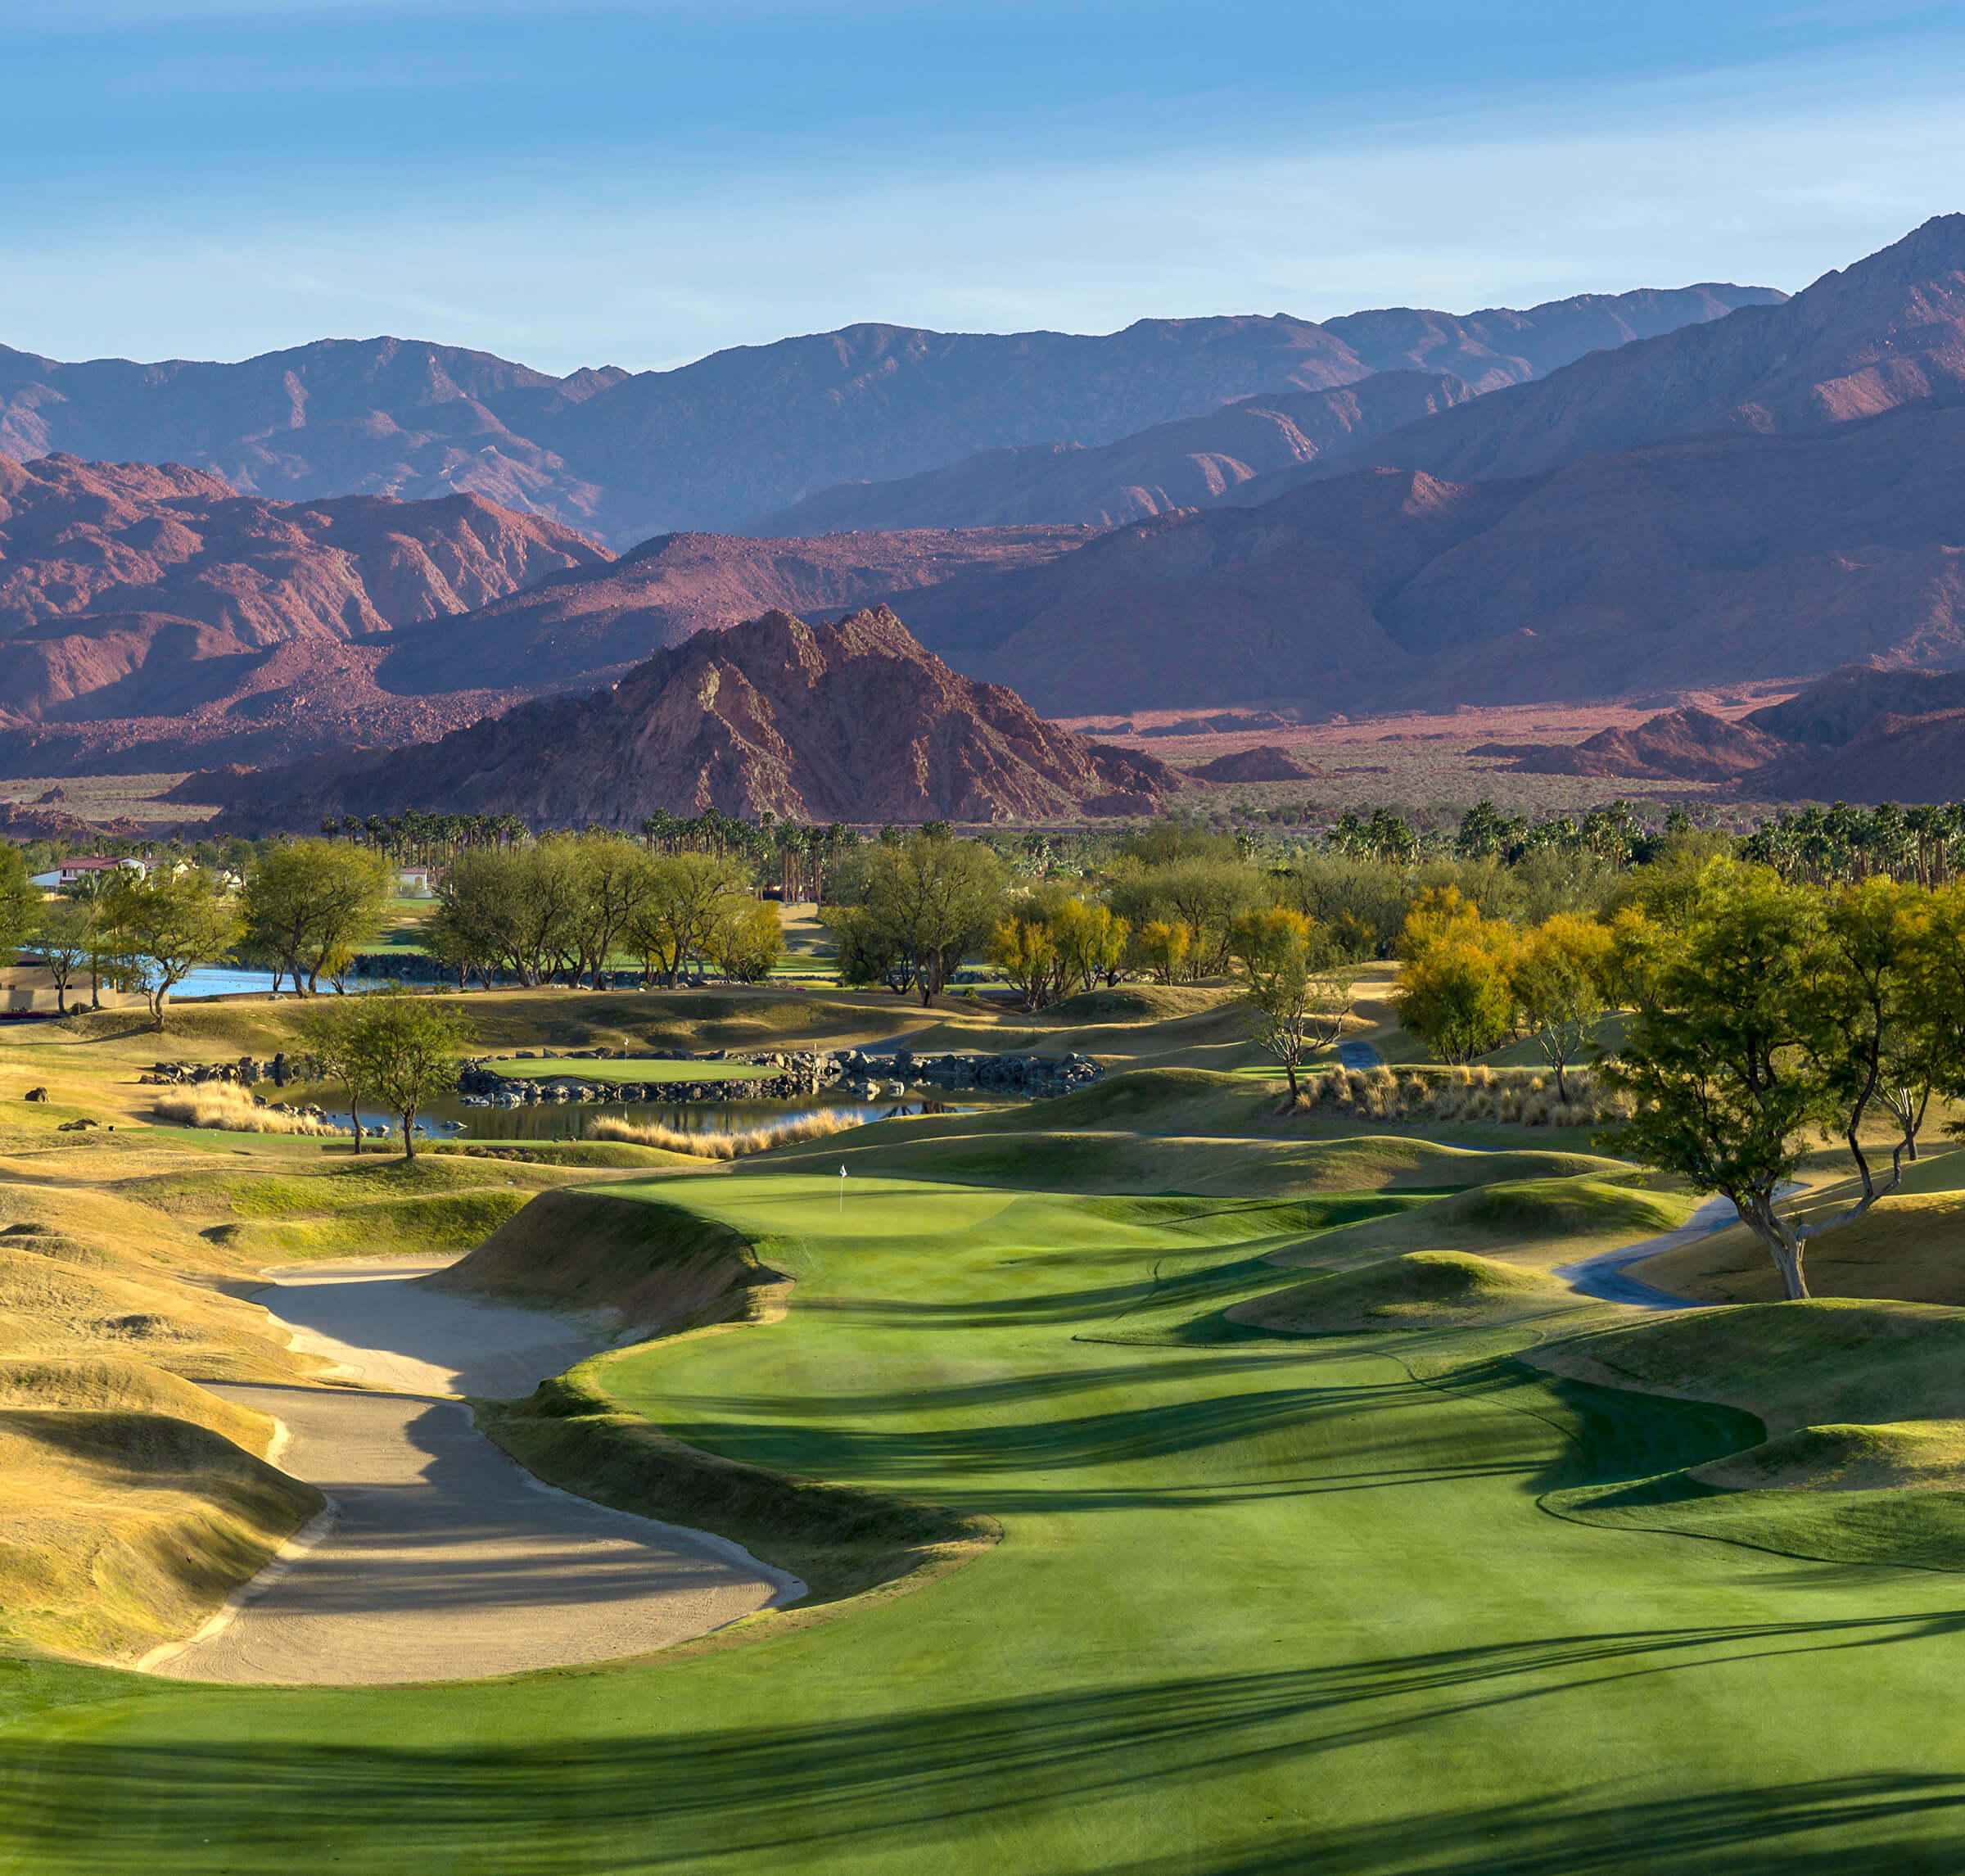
419	839
1844	844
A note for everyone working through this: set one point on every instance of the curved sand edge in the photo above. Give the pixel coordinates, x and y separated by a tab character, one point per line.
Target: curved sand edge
438	1556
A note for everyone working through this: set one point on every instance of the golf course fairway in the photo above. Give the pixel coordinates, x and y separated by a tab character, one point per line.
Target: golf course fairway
1261	1604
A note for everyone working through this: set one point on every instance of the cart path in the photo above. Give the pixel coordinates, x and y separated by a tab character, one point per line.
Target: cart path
1603	1276
439	1557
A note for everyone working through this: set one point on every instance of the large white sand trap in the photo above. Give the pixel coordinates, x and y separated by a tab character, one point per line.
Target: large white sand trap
439	1557
380	1325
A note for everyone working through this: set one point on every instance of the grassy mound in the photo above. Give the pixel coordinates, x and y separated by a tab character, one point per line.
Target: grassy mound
1916	1530
841	1540
1535	1222
441	1222
653	1267
1906	1250
1925	1455
103	1386
1826	1362
1423	1289
69	1293
131	1504
1132	1003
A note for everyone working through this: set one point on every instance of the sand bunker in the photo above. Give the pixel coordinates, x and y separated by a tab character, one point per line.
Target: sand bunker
380	1326
439	1558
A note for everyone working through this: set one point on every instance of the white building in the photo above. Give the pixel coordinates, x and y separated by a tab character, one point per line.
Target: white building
71	870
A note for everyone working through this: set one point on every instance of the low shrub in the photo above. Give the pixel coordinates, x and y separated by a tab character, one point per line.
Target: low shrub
1475	1095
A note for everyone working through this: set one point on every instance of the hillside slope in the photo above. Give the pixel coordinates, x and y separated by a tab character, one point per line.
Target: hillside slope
1197	462
748	430
1886	332
1650	571
852	721
148	612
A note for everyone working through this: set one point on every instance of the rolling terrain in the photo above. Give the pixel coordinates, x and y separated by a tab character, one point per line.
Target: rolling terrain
1296	1517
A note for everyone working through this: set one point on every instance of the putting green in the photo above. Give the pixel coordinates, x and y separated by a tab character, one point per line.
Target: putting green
1261	1606
557	1068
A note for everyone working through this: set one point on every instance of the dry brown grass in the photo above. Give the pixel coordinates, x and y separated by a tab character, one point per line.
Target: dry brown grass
227	1106
820	1125
1469	1096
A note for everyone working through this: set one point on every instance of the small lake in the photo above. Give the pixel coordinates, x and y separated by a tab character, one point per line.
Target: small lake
221	981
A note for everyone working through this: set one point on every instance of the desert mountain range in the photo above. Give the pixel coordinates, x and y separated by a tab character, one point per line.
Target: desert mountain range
850	722
1388	511
1752	521
715	444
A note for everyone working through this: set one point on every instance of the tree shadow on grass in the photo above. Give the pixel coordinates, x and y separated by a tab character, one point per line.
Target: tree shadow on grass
280	1780
1905	1824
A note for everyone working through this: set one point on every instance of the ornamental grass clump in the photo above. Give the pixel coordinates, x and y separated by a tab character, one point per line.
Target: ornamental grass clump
1465	1095
720	1146
225	1105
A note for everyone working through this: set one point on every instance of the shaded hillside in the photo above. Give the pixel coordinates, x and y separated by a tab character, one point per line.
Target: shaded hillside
1266	763
1867	735
852	721
79	538
1651	570
1677	745
129	591
1861	734
1846	702
1888	331
231	703
586	626
384	417
1197	462
744	431
1918	759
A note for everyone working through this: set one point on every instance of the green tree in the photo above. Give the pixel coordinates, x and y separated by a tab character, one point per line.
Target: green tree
308	905
615	880
1756	1022
165	926
406	1049
1023	950
20	903
332	1033
64	935
1557	977
1455	990
1161	946
1292	1000
689	897
927	902
748	940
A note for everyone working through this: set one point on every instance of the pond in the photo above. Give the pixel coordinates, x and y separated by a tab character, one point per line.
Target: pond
226	980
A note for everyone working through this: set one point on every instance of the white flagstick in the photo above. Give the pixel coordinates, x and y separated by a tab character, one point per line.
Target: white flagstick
842	1192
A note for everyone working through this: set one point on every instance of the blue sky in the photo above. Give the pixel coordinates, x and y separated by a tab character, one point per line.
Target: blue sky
638	183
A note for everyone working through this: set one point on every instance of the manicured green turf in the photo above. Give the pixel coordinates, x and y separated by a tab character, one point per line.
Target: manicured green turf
557	1068
1261	1606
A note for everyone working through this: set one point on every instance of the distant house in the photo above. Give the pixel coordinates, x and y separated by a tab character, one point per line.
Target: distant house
71	870
411	882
